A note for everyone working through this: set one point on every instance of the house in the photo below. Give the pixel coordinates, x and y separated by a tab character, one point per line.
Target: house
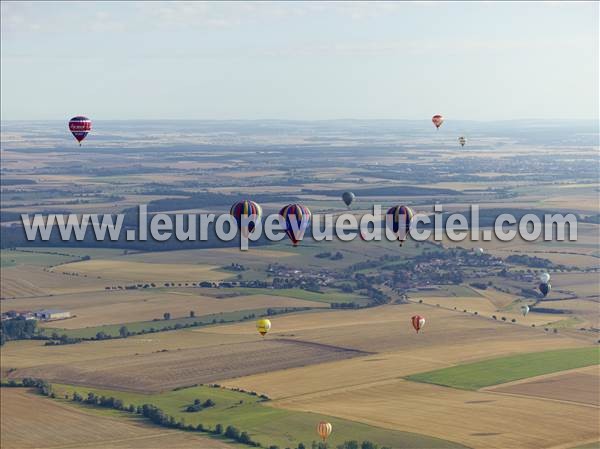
52	314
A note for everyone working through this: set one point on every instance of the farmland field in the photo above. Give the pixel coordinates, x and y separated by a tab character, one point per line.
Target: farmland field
30	421
579	385
265	424
477	375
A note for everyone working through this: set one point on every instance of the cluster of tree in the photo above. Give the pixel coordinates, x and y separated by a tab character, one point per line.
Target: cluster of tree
234	267
529	261
479	285
327	255
63	339
345	305
41	385
17	329
353	444
199	405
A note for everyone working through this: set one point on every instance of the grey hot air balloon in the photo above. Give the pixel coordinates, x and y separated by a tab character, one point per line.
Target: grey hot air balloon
348	198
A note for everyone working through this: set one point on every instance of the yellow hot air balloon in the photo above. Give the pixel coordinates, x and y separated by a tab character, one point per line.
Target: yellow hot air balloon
324	429
263	326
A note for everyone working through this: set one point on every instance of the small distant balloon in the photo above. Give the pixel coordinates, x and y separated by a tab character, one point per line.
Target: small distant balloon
462	141
545	288
80	127
418	322
263	326
479	251
437	120
324	430
348	198
525	310
545	278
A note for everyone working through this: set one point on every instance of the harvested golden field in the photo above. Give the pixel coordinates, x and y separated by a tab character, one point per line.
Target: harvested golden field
125	306
448	338
184	367
476	419
579	385
30	281
584	285
225	256
28	353
31	421
126	271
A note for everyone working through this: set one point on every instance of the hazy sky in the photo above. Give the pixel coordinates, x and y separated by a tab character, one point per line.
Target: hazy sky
115	60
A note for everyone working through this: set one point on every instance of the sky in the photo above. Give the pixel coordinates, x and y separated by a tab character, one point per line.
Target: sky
296	60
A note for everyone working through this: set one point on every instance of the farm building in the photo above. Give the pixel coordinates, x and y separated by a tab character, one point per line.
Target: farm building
52	314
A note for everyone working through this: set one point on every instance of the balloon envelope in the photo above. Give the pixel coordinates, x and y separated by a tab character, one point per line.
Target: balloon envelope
418	322
398	220
297	219
80	127
249	210
263	326
437	120
525	310
324	429
545	277
462	141
348	198
545	288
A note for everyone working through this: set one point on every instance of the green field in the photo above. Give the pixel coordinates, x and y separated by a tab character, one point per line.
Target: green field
265	424
46	258
473	376
158	325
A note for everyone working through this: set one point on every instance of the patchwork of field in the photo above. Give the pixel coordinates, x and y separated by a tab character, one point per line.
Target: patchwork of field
579	385
476	419
187	366
448	338
266	425
30	421
122	270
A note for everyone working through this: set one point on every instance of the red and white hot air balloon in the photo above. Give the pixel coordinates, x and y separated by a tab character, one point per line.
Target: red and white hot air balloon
437	120
418	322
80	127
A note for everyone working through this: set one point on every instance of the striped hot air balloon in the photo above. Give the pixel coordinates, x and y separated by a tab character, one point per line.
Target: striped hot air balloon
418	322
462	141
297	219
324	429
398	221
80	127
263	326
437	120
246	209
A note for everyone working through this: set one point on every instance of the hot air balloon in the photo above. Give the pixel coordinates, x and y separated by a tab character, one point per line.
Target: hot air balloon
462	141
263	326
545	278
418	322
479	251
437	120
398	221
246	209
297	219
348	197
545	288
324	429
525	310
80	126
